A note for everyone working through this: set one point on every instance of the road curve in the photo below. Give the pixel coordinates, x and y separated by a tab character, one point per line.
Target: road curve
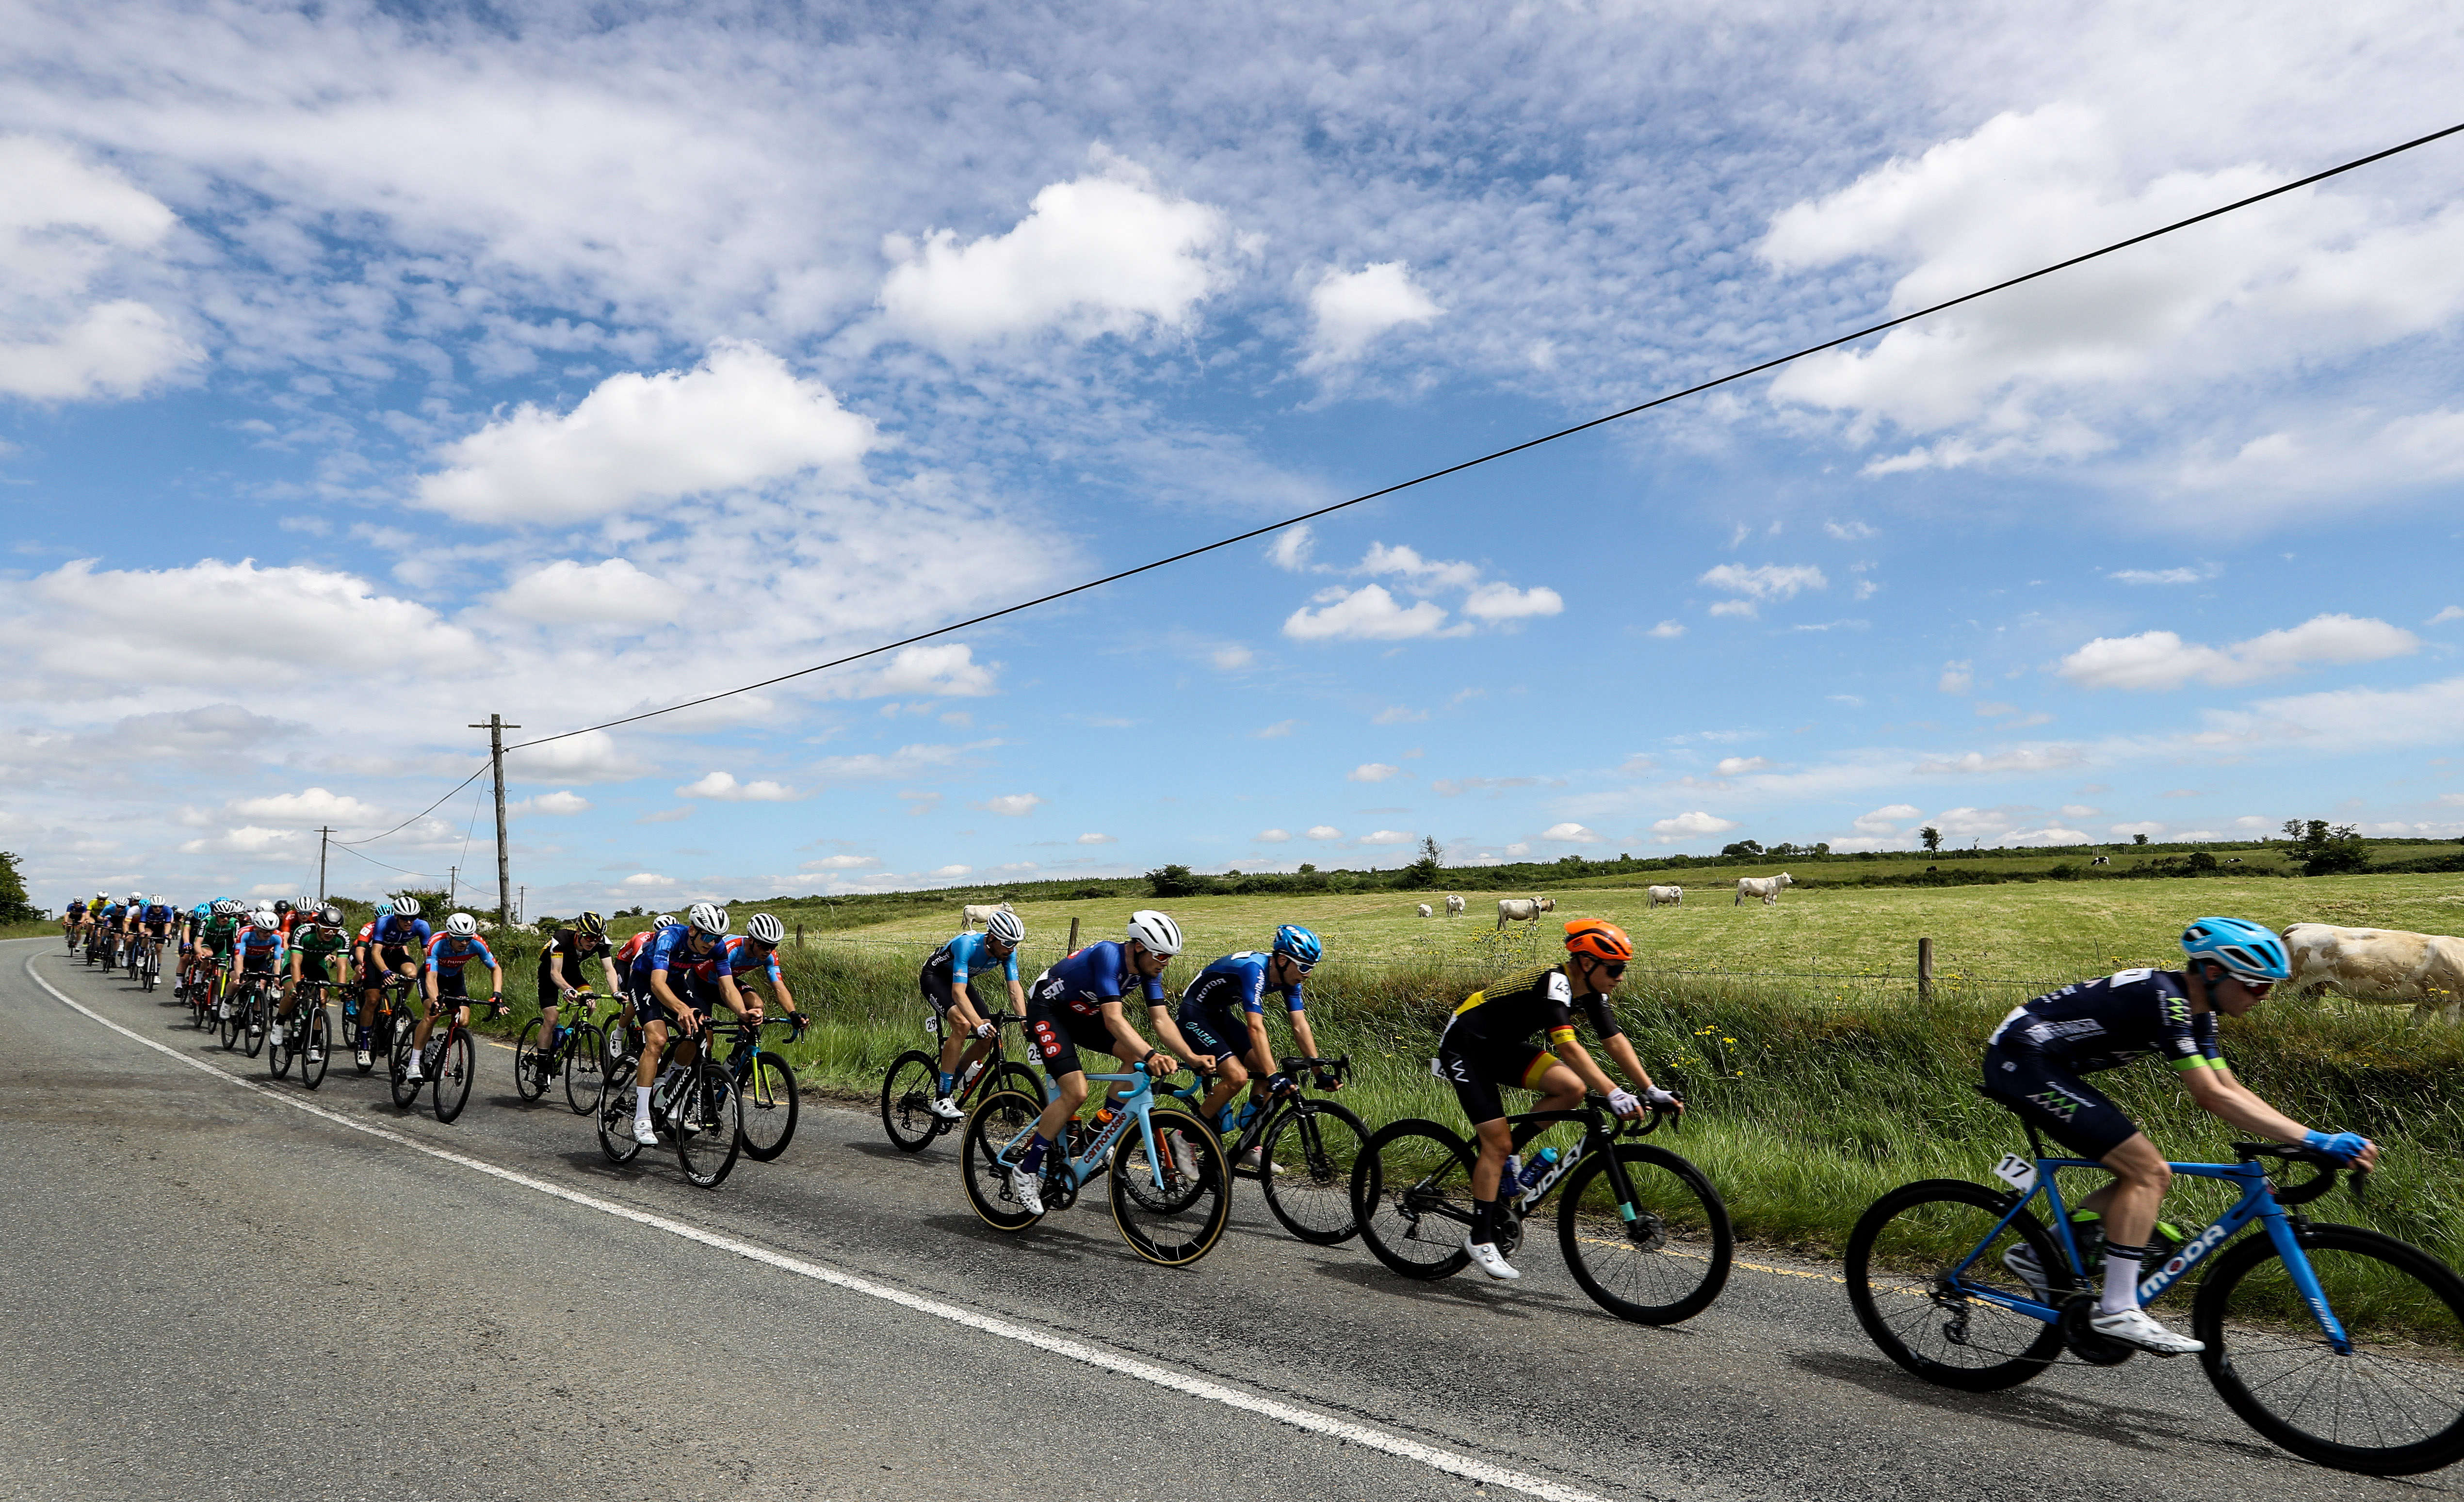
220	1293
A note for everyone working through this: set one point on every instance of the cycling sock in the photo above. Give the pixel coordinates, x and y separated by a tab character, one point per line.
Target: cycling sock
1483	1222
640	1102
1032	1160
2120	1278
948	1079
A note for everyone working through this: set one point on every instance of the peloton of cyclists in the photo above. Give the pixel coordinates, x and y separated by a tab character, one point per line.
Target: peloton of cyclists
1078	1004
948	981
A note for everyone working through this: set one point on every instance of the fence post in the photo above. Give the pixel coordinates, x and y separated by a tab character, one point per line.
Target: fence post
1073	940
800	936
1925	969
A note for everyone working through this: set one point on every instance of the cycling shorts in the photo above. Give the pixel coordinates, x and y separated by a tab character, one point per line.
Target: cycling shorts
1476	1067
385	958
258	963
1056	1036
940	996
319	965
2056	1101
217	947
1207	1033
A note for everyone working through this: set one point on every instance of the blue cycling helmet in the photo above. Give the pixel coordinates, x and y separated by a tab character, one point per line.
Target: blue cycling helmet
2250	952
1298	945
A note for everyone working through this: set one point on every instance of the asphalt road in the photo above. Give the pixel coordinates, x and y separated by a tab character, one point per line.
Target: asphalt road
217	1294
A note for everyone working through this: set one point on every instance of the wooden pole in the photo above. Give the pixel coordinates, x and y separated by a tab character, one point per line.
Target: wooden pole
495	727
1925	969
800	936
1073	939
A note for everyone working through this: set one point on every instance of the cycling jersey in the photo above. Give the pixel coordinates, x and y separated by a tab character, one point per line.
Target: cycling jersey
692	978
218	931
2034	1061
741	955
156	914
448	954
318	941
76	909
1215	1008
114	913
394	931
953	965
1064	1005
560	962
1488	1041
257	948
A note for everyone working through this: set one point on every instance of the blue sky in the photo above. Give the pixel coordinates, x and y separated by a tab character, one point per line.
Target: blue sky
366	370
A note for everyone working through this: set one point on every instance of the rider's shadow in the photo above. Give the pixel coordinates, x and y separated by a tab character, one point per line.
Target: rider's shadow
1453	1293
1044	1242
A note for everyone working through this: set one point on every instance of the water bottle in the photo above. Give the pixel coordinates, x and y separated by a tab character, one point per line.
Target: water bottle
1509	1181
1248	1113
1539	1170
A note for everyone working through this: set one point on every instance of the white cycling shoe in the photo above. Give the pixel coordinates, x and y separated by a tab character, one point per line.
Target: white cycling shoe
2021	1260
364	1058
2133	1327
940	1106
644	1133
1027	1190
410	1069
1485	1256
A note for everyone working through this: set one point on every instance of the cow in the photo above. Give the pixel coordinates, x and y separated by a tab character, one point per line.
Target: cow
2235	861
1522	909
973	914
2102	860
1454	904
1766	888
1666	897
1423	909
2382	966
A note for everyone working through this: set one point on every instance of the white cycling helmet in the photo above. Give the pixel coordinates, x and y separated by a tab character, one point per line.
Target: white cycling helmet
664	921
707	918
763	929
154	901
405	907
461	925
264	917
1156	931
137	897
102	896
1005	927
228	907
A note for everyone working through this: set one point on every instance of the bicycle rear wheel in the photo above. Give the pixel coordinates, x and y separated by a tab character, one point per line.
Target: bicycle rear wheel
1899	1261
235	1019
905	1090
530	1062
616	1111
584	1070
278	1055
1305	1170
769	1108
708	1122
1662	1258
1001	1121
2395	1406
455	1064
1411	1196
1171	1202
256	1014
1018	1077
317	1036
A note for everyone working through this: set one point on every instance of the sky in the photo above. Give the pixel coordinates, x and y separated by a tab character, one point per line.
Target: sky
365	370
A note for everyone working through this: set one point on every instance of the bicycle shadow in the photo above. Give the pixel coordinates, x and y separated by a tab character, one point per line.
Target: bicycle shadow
1456	1292
892	1155
1045	1240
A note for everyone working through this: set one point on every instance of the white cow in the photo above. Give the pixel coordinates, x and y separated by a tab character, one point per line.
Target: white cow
1766	888
2102	860
1666	897
1454	904
974	914
1424	910
1523	909
2384	967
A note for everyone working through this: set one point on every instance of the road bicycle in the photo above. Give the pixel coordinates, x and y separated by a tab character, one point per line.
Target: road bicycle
308	1037
95	947
577	1052
1302	1151
449	1063
694	1106
1171	1183
1643	1231
207	993
765	1084
248	1003
148	964
2340	1344
393	1019
907	1087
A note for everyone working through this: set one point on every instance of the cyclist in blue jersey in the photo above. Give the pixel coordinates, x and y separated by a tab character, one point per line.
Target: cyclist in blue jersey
73	919
1077	1003
2034	1061
155	918
676	976
1221	1026
948	983
394	941
754	955
448	954
256	948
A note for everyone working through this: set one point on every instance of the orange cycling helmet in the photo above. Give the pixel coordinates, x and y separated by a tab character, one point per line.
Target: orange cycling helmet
1589	936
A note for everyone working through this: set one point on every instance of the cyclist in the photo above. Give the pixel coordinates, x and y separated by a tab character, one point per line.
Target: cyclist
751	955
1487	1043
2034	1061
107	924
257	947
394	941
318	947
447	954
563	974
1077	1003
1221	1028
676	975
214	945
192	923
73	919
948	983
93	912
155	919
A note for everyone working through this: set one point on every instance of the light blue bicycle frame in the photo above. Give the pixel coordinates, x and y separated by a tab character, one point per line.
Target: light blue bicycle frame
2257	1202
1136	1103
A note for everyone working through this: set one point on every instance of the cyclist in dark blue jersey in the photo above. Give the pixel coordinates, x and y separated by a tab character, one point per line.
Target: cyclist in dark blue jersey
2034	1061
394	941
676	978
1220	1027
1077	1003
948	981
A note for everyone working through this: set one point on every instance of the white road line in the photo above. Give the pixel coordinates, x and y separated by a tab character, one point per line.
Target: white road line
1350	1433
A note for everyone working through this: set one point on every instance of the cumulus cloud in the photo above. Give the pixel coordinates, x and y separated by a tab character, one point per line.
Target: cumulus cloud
738	420
1569	833
560	805
1370	772
2200	574
1765	583
647	880
1388	837
1886	820
1014	805
1666	630
2024	759
1368	613
1231	658
1276	731
2454	613
840	863
1349	310
723	788
1291	547
1097	839
1373	613
1682	825
1323	832
1499	601
1956	677
611	590
1740	765
309	808
65	223
2163	661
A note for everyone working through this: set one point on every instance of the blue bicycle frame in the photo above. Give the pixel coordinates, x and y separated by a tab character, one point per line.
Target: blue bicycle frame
1135	1104
2257	1202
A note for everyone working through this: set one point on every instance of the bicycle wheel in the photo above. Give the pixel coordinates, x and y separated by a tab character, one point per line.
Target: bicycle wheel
906	1092
318	1035
530	1063
1665	1261
709	1120
584	1076
2395	1406
1899	1265
455	1064
769	1107
234	1018
1002	1120
1019	1077
278	1055
256	1012
1305	1170
616	1112
398	1063
1411	1197
1171	1204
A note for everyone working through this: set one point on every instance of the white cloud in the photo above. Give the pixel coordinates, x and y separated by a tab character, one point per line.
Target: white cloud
1501	602
1097	839
246	840
1092	256
1231	658
1768	582
591	757
1373	613
1388	837
723	788
1349	310
1323	832
1370	772
1276	731
1399	715
2081	811
1368	613
943	670
1666	630
1670	830
1271	836
2163	661
64	224
1569	833
611	590
1013	805
1956	677
738	420
647	880
840	863
1289	551
2025	759
2147	827
1886	820
2454	613
308	809
1740	765
2200	574
560	805
1424	573
1851	531
953	870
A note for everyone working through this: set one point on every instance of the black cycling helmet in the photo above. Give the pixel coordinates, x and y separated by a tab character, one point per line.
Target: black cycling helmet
283	904
591	923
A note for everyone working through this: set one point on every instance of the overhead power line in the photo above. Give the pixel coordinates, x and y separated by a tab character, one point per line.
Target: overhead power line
420	814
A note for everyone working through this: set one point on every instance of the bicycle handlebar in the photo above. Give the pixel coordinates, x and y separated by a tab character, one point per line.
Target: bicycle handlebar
2312	1188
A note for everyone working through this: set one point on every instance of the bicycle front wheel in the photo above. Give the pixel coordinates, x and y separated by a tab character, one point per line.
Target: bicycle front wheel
1171	1202
530	1061
253	1016
405	1089
585	1065
616	1112
316	1034
1000	1124
769	1092
906	1092
1916	1300
709	1119
278	1055
455	1065
1305	1166
1659	1258
2392	1407
1411	1195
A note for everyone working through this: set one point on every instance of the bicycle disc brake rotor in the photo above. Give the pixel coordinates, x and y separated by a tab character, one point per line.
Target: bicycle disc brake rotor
2086	1344
1647	1232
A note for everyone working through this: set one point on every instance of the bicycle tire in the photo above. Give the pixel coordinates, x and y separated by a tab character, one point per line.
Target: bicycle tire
398	1057
905	1089
1671	1260
455	1064
234	1018
256	1012
1018	1077
616	1112
2262	1341
318	1053
1305	1164
585	1075
1896	1252
998	1119
278	1056
530	1063
1415	1212
768	1106
708	1122
1175	1224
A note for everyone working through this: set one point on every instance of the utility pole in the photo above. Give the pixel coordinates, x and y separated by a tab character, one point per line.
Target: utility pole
495	727
521	906
453	883
324	834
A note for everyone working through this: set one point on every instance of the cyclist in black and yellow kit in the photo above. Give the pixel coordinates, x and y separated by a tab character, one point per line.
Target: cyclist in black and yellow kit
1488	1042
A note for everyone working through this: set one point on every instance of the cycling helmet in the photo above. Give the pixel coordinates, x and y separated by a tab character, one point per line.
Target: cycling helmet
763	929
102	896
707	918
154	901
137	897
228	907
1589	936
461	925
405	907
591	923
385	910
1005	927
2249	952
330	916
264	917
664	921
1298	945
1158	932
282	905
